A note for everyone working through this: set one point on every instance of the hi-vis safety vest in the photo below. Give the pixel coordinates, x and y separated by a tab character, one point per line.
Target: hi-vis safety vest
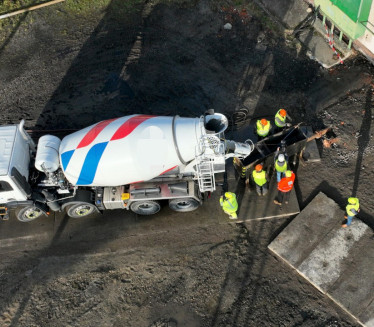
286	183
280	168
279	120
355	206
261	129
259	177
229	205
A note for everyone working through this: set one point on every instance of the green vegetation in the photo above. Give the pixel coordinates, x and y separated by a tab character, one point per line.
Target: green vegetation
76	7
116	7
73	8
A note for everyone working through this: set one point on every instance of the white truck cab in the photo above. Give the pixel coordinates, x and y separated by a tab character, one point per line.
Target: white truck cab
14	165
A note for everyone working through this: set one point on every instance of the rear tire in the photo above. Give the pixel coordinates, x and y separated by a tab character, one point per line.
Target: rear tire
183	204
145	208
81	210
29	213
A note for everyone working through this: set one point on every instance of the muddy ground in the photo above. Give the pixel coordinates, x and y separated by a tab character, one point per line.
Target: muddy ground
60	70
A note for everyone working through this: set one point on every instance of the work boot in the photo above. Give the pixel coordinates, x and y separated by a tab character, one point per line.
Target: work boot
233	216
285	202
277	202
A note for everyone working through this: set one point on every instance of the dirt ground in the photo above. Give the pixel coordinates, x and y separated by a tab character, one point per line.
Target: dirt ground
64	71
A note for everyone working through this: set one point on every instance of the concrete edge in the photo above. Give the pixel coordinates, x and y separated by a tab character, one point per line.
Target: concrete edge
287	215
318	288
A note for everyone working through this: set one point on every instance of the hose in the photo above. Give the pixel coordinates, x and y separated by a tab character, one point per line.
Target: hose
307	22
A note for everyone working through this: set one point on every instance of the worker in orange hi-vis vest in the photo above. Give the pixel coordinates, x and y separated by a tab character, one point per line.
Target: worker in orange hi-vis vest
285	186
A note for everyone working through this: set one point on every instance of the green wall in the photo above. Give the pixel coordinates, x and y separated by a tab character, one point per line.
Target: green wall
347	15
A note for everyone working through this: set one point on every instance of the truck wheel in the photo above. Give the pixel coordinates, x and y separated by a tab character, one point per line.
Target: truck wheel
145	208
29	213
183	204
81	209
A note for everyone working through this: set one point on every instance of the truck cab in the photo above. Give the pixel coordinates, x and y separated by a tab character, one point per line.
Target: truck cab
14	166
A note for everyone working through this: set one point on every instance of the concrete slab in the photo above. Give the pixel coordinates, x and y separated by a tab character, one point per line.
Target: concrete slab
289	12
311	147
339	262
324	264
255	207
353	282
367	316
304	233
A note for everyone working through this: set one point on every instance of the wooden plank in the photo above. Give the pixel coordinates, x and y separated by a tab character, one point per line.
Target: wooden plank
21	11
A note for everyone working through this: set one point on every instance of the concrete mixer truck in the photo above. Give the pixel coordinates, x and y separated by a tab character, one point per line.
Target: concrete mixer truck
132	163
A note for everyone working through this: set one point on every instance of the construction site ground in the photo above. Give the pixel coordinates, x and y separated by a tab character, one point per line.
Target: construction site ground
66	69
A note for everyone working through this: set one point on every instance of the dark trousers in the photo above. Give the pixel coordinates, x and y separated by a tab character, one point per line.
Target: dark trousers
283	196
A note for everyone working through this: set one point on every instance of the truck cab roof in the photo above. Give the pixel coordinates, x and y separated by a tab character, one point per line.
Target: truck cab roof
14	157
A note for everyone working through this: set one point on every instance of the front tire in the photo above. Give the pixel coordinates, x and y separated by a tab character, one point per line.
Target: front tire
29	213
183	204
145	208
81	210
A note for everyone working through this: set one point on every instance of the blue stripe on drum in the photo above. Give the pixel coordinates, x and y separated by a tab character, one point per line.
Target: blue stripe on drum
65	158
90	164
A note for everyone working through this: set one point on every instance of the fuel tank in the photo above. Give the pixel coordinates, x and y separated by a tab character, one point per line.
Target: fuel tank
129	149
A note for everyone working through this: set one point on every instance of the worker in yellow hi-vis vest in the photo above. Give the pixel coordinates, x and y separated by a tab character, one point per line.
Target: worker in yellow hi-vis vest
261	180
280	120
229	204
352	209
263	127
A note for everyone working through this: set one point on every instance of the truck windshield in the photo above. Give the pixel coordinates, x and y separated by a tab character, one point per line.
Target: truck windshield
5	187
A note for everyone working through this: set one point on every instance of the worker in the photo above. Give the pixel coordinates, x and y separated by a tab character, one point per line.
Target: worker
285	186
260	178
263	127
352	209
280	165
280	120
229	204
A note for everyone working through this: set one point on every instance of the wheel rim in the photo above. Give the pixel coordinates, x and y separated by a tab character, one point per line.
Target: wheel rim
184	204
147	207
83	210
32	213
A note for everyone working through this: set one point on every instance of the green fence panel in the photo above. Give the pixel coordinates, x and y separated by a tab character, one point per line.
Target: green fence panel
354	9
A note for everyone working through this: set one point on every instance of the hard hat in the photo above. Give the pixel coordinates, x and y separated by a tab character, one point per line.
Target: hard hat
282	112
352	200
228	195
258	167
288	173
264	122
281	157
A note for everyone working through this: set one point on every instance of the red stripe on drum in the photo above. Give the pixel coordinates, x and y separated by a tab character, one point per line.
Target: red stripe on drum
167	170
129	125
94	132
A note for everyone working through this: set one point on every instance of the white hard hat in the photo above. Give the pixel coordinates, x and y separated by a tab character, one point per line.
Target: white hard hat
281	157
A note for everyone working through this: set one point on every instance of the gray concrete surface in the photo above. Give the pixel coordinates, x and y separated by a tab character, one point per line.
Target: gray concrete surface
291	14
339	262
